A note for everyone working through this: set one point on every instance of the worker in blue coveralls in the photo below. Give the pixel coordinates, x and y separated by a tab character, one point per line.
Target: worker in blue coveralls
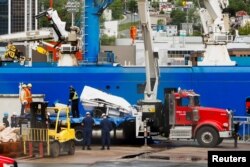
106	127
87	123
73	100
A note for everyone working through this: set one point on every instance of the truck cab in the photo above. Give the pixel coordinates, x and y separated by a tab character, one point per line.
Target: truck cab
248	105
189	120
6	161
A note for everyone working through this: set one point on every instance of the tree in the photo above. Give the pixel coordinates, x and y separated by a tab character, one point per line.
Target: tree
106	40
117	9
132	6
178	2
155	4
240	5
160	22
245	30
178	16
161	12
59	5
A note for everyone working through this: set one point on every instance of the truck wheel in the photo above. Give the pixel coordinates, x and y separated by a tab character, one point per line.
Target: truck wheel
78	135
220	140
207	136
71	146
55	149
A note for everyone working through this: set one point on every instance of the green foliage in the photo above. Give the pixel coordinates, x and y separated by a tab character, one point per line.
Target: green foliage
59	5
127	26
155	4
238	5
160	22
117	9
178	16
196	33
132	5
178	2
106	40
161	12
245	30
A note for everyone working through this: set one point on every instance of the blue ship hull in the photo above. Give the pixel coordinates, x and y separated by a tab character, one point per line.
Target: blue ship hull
222	87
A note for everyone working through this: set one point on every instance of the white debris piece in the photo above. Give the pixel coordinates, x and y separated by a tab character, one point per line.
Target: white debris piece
92	97
2	127
10	134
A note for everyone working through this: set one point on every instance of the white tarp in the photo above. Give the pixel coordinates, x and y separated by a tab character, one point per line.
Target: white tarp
92	97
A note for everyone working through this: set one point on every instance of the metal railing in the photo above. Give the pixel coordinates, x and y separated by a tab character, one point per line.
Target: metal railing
244	125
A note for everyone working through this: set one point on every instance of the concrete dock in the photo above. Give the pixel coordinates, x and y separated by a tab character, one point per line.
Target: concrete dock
178	151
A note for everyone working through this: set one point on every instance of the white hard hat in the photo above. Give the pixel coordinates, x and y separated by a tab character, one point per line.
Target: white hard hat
87	113
29	85
103	114
24	85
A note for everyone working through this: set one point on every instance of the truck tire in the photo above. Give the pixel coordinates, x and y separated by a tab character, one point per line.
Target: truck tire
78	135
54	149
220	141
207	137
71	146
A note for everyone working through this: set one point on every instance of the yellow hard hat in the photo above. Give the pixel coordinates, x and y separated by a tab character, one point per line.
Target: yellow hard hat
24	85
42	50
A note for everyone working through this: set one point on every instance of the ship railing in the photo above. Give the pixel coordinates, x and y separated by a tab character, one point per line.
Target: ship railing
244	125
223	38
219	39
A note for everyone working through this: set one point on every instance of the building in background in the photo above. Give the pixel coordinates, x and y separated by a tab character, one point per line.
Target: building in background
17	15
3	16
111	28
188	27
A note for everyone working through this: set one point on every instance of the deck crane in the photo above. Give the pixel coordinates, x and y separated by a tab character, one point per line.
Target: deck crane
216	33
150	105
70	41
146	113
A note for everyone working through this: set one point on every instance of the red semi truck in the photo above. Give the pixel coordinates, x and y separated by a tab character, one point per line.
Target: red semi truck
248	105
187	119
7	162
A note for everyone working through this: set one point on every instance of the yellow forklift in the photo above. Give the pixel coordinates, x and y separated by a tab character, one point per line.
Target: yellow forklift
47	129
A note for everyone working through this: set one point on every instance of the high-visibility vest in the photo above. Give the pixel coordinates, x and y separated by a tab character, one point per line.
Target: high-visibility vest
133	32
75	96
10	52
28	97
